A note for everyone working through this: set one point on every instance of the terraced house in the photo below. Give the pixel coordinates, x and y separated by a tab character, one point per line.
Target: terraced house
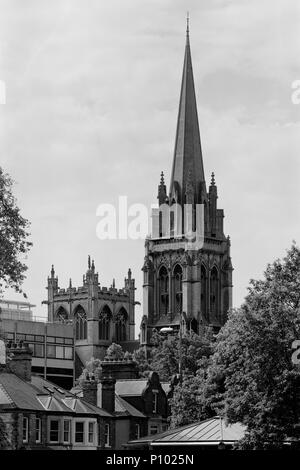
37	414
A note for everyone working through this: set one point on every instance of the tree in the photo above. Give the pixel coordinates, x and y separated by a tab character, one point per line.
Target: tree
163	357
190	402
14	242
114	353
92	367
259	383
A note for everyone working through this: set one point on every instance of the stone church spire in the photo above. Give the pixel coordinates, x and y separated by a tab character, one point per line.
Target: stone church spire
187	153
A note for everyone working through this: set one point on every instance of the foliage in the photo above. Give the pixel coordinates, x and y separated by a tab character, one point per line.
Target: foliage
140	357
114	353
92	367
190	401
253	355
13	238
165	353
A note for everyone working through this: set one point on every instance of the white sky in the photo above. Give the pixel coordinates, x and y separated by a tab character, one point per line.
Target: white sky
92	91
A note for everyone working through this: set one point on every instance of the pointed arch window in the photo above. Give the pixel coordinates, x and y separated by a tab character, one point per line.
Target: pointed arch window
104	323
163	291
80	323
203	291
61	315
214	291
178	288
120	323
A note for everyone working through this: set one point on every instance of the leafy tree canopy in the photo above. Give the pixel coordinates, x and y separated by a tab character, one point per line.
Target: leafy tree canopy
258	382
14	234
164	355
114	353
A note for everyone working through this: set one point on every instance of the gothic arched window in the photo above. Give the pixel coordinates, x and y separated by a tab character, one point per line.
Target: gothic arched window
61	315
121	322
163	291
178	288
203	291
80	323
104	323
214	291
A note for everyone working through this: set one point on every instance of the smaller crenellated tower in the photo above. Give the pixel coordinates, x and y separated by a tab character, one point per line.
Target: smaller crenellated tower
99	315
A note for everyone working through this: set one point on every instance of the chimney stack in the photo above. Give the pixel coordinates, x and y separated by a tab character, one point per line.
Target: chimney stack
89	388
19	359
108	393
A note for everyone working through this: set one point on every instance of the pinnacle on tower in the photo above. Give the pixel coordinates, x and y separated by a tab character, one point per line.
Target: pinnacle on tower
212	183
162	190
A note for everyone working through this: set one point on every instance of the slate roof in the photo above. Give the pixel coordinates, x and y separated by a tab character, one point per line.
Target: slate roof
211	431
122	407
131	387
42	395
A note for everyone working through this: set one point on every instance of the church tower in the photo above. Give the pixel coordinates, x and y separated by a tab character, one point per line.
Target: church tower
187	267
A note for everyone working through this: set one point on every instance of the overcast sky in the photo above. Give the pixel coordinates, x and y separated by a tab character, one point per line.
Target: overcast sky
92	91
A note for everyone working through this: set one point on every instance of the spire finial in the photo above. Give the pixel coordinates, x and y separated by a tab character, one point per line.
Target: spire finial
187	26
89	262
70	283
162	178
213	179
93	265
52	271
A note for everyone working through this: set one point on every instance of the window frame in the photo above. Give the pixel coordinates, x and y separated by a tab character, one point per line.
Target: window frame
68	431
26	428
76	432
137	430
107	442
56	420
89	433
38	430
152	427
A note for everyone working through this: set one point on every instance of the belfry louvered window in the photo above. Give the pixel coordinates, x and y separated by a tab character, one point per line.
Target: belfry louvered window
120	325
178	288
104	323
80	323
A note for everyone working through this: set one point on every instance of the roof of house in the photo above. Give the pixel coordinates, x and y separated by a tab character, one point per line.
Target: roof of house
211	431
131	387
122	407
41	395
